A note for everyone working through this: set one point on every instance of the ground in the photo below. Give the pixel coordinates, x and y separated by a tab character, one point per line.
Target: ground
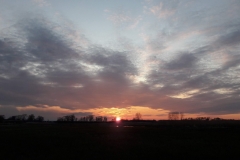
124	140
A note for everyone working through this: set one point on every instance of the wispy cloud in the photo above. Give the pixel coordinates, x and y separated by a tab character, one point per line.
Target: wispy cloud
160	12
123	18
164	9
41	3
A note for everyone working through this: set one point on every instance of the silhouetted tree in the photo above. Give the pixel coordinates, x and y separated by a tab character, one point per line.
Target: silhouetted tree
173	115
181	115
138	116
82	119
105	119
90	118
99	118
22	117
202	118
31	118
2	118
68	118
217	119
40	118
12	118
198	118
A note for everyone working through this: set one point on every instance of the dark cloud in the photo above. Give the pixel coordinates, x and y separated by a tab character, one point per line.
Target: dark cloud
229	39
45	44
182	62
52	72
112	60
20	89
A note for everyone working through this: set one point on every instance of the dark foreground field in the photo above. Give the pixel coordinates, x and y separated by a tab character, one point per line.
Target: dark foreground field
127	141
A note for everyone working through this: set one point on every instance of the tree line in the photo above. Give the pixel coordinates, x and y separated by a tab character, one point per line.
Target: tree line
180	116
89	118
67	118
92	118
23	118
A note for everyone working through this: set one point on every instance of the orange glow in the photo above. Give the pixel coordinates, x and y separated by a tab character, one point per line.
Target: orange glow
127	113
118	119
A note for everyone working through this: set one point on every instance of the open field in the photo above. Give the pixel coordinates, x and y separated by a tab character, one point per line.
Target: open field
126	140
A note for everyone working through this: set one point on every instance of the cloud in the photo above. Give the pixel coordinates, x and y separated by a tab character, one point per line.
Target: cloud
189	78
124	18
229	39
189	67
164	9
161	13
182	62
47	70
41	3
49	112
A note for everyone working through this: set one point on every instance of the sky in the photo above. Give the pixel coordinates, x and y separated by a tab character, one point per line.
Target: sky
118	58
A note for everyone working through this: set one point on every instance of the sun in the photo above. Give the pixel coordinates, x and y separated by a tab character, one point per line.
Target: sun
118	119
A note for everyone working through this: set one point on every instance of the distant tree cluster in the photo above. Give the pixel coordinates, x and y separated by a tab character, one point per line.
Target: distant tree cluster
68	118
207	119
23	118
175	115
39	119
101	119
89	118
180	116
199	118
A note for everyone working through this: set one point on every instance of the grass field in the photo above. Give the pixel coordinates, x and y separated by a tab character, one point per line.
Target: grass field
118	141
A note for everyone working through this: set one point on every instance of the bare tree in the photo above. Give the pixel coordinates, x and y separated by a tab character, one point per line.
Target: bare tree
70	118
203	118
173	115
82	119
181	115
90	118
99	118
138	116
105	119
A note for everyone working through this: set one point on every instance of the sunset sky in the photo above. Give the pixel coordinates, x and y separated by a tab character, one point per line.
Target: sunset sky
120	57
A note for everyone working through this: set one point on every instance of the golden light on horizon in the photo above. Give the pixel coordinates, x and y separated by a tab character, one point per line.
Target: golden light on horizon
127	113
118	119
111	113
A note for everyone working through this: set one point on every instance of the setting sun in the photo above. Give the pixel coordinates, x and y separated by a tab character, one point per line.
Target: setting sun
118	119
